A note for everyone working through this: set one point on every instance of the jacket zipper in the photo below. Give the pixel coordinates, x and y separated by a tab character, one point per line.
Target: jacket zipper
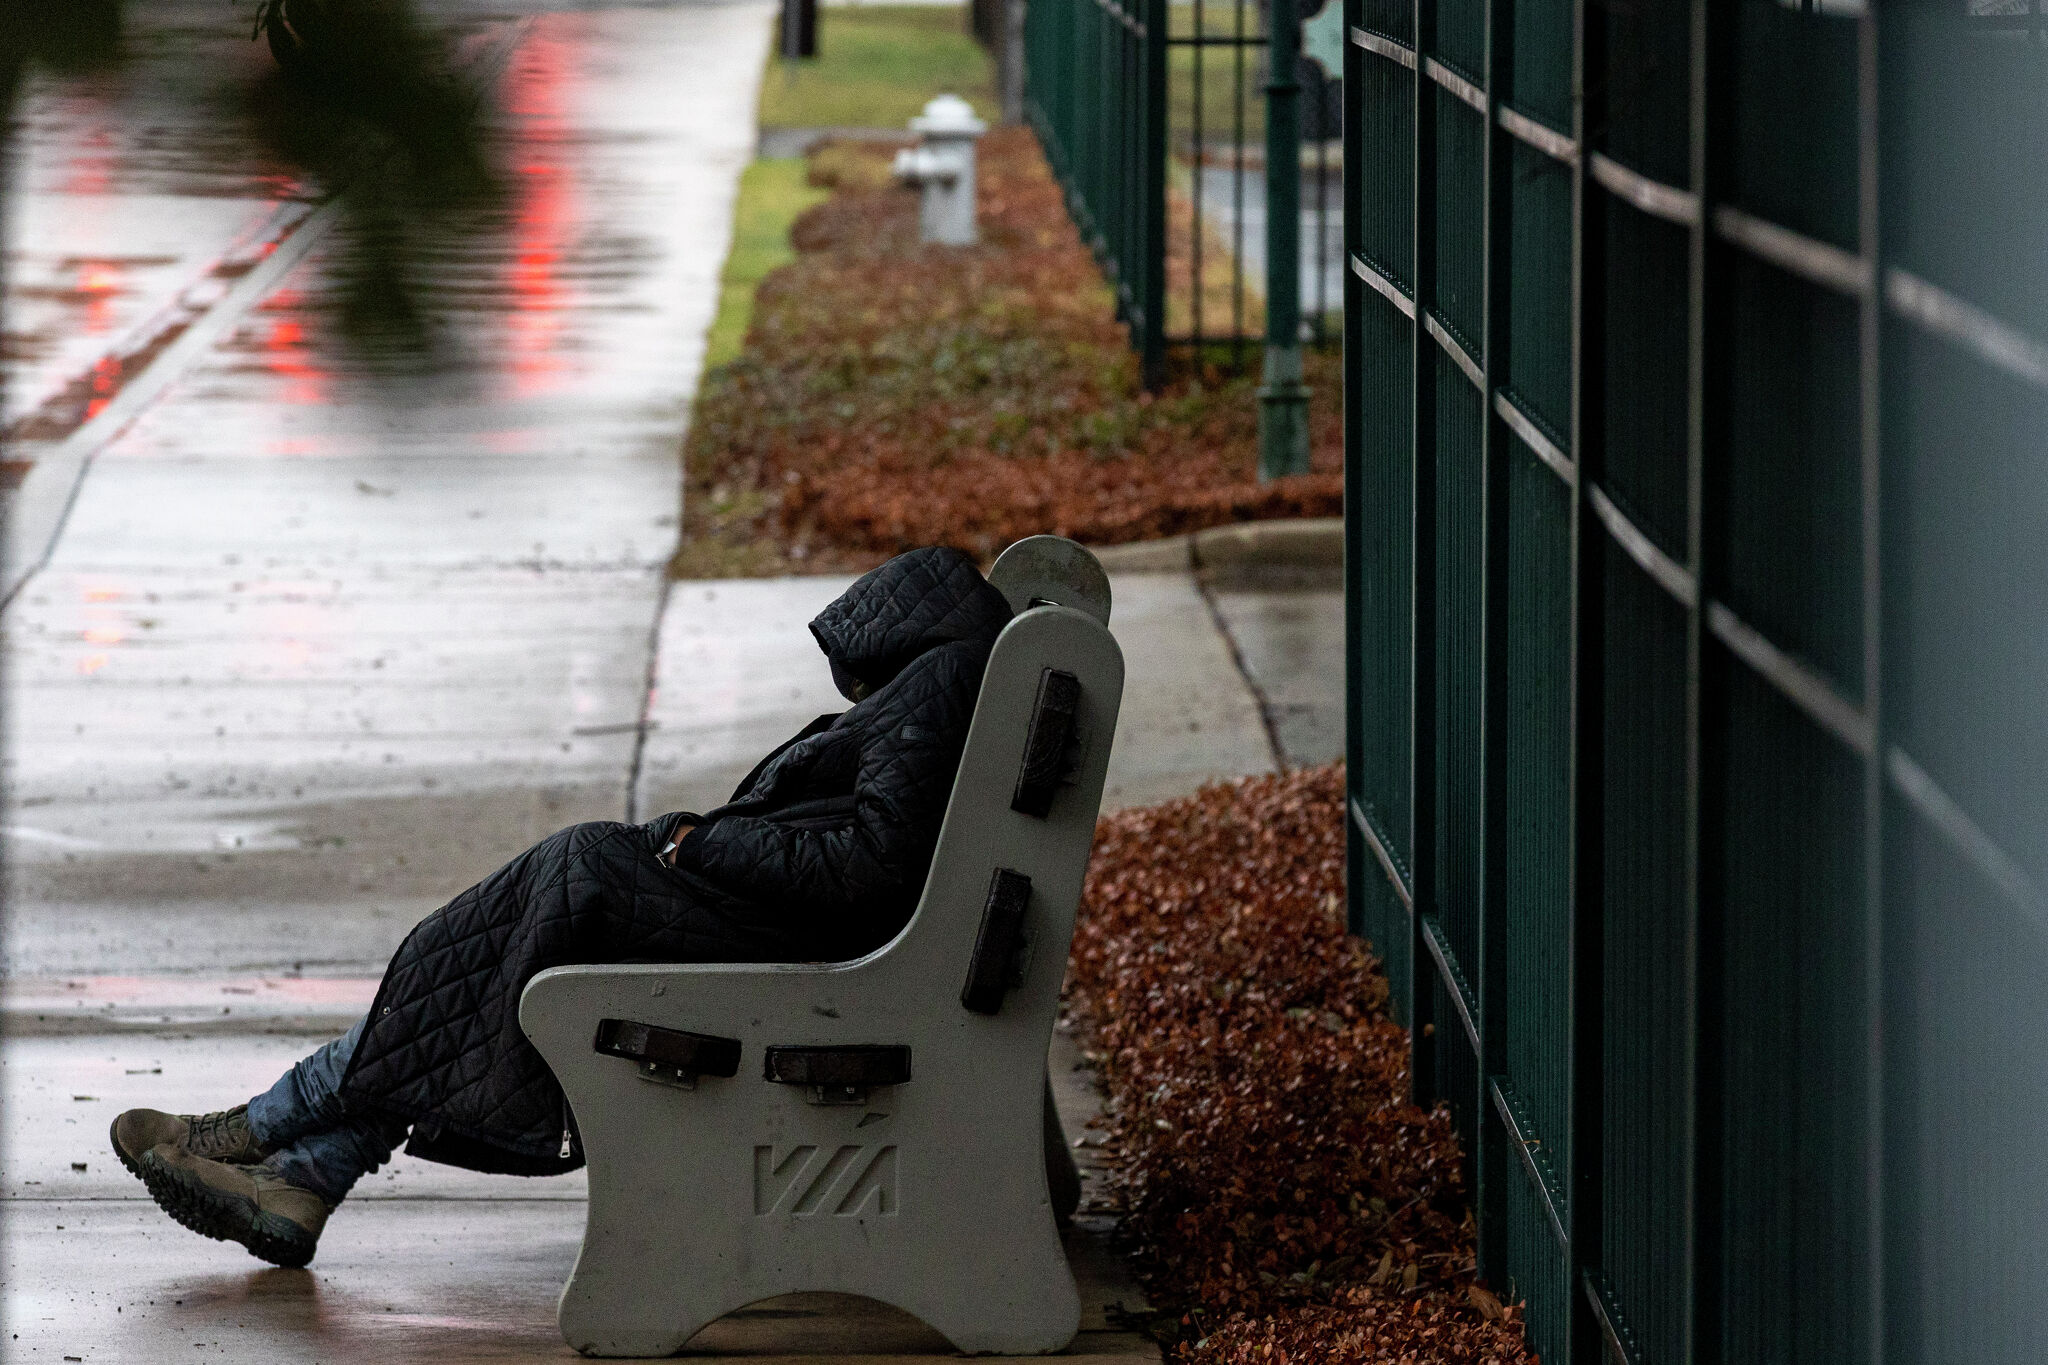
565	1128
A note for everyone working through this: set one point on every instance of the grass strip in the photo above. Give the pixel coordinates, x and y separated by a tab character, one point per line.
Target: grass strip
773	193
876	66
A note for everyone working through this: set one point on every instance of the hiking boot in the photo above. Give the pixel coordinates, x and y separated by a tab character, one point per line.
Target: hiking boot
277	1221
221	1136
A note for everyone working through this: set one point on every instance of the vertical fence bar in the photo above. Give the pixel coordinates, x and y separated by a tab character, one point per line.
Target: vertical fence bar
1237	89
1359	862
1283	399
1870	388
1710	352
1198	138
1152	187
1589	747
1493	1169
1582	1182
1423	778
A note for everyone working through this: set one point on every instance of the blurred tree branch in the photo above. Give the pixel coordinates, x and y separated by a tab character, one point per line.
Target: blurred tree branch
365	103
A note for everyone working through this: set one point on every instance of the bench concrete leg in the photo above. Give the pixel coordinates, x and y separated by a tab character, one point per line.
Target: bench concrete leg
998	1314
636	1289
633	1296
1062	1176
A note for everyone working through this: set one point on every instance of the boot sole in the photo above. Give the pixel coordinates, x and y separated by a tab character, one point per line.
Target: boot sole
225	1217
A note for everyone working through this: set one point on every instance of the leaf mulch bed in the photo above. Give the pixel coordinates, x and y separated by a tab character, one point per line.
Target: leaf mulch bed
1283	1198
891	395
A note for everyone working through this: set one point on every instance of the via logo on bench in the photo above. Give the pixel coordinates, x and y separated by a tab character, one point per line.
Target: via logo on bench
807	1181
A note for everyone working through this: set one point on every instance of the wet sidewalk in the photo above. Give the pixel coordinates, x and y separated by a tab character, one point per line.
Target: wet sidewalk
423	1263
303	636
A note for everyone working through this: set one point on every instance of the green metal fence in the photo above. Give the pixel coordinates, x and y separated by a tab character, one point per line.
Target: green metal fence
1095	92
1697	440
1153	115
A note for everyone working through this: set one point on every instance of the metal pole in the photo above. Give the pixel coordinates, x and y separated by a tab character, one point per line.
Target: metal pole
1283	400
799	36
1010	61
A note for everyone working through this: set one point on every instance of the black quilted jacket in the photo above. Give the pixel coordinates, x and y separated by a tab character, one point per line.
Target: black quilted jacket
819	856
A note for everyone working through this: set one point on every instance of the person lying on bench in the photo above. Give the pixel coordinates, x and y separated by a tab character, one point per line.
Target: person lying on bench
820	856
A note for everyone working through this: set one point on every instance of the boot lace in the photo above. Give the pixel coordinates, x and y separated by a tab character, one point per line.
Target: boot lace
223	1135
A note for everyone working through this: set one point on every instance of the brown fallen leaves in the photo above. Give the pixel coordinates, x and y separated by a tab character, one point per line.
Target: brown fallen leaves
1278	1187
891	395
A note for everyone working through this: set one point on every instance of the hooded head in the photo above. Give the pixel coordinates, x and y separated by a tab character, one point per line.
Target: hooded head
916	602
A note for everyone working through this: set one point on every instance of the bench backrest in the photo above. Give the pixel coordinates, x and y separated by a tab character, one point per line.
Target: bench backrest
996	917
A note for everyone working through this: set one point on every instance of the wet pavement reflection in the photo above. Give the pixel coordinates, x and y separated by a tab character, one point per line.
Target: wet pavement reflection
141	173
331	628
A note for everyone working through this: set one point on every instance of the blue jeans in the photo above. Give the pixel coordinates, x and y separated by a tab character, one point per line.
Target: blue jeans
317	1144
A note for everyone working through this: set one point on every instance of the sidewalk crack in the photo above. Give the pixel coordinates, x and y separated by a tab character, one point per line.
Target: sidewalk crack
652	680
1268	721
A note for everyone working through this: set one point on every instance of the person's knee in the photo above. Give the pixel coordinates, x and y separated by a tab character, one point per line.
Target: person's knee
586	835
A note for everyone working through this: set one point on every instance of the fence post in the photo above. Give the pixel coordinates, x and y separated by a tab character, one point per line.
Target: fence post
1149	270
797	34
1283	400
1010	61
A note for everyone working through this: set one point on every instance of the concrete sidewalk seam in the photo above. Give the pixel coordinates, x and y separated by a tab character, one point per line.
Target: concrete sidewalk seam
1267	720
652	680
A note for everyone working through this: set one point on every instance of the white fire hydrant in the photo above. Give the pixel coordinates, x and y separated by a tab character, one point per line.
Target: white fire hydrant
943	168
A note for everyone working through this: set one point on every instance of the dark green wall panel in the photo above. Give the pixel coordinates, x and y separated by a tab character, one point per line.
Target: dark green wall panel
1967	580
1456	1079
1383	462
1539	358
1642	79
1385	101
1652	890
1386	929
1966	1138
1461	220
1461	37
1535	897
1460	639
1646	1010
1789	896
1793	109
1790	541
1963	185
1391	18
1537	1271
1543	62
1645	376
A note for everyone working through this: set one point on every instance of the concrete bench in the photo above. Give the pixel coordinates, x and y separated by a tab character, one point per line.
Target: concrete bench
881	1127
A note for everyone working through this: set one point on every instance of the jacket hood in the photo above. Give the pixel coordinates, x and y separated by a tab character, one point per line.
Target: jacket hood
916	602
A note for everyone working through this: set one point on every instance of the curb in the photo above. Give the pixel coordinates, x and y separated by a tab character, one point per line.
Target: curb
775	143
44	1006
1308	546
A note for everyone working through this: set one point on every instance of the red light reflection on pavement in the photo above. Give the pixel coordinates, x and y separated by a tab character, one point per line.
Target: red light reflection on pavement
545	211
103	626
288	354
98	283
89	162
104	382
